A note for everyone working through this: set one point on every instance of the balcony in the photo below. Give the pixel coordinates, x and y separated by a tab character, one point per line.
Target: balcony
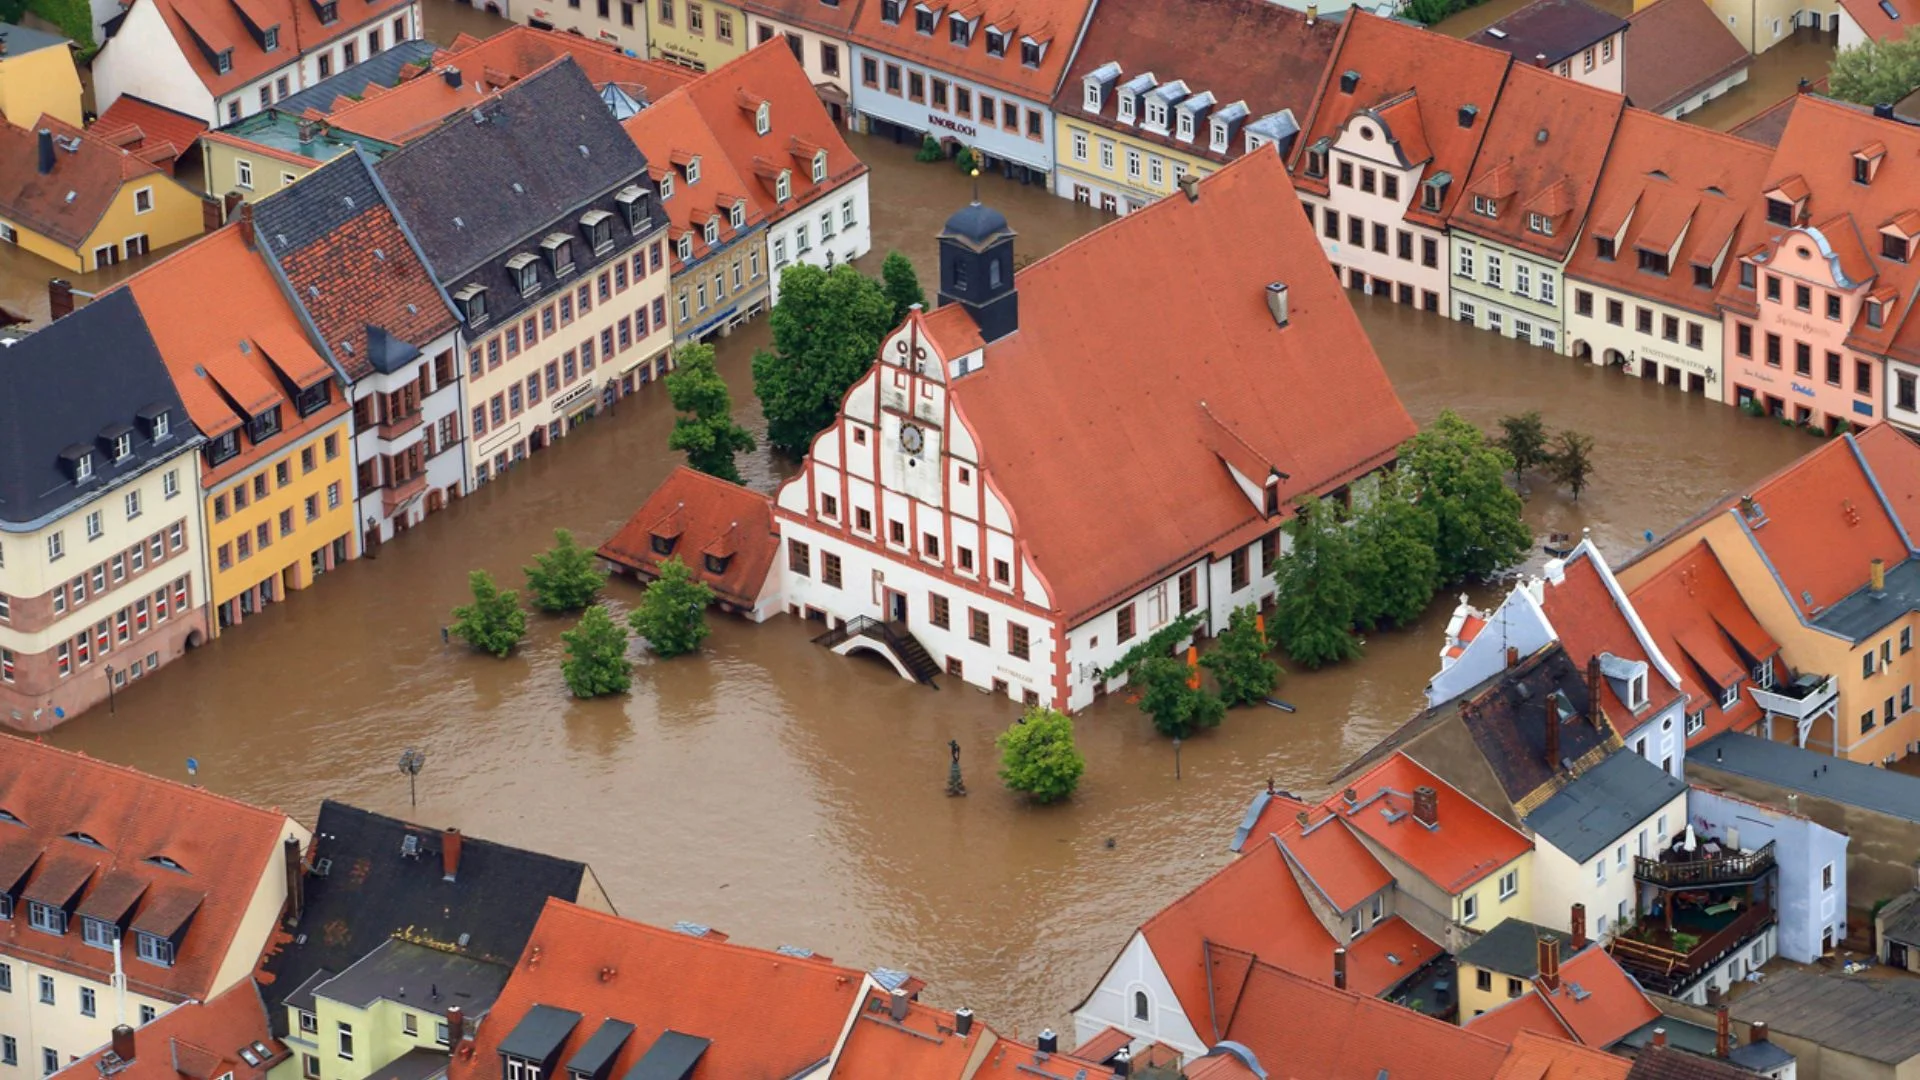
400	493
1667	961
1800	700
392	428
1732	868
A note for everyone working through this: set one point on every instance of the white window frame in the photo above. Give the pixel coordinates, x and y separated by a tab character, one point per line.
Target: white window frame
243	173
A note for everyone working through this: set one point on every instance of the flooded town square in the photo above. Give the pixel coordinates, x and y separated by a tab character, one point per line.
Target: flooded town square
786	795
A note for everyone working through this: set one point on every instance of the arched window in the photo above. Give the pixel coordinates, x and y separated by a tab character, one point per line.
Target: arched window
1140	1005
993	274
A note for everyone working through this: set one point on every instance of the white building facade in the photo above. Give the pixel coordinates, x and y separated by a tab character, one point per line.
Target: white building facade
1012	131
833	226
1511	292
1362	221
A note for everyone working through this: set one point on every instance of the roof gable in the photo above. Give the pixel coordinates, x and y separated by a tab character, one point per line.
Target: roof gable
696	516
66	203
1464	844
1679	49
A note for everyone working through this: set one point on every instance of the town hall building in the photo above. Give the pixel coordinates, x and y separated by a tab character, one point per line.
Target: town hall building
1050	466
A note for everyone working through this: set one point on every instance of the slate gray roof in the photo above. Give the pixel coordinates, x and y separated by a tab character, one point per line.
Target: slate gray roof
1556	29
94	370
1603	804
318	206
1512	948
19	40
427	979
1866	612
472	189
540	1033
1901	918
381	69
1821	775
1869	1018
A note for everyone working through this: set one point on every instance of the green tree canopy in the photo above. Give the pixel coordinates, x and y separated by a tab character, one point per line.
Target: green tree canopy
1572	461
705	430
1319	597
1038	757
596	663
1524	438
564	577
1395	567
672	615
1877	72
1239	661
1167	695
902	285
1461	479
827	329
494	621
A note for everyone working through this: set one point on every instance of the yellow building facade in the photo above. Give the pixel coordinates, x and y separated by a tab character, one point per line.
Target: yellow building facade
37	76
120	206
697	34
1114	169
282	521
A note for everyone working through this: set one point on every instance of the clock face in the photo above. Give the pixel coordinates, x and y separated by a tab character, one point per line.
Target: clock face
911	439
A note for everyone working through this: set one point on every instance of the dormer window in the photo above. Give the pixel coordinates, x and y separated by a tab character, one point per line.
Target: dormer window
473	303
686	247
597	227
1540	223
783	186
223	447
1184	126
524	268
717	564
820	167
1603	247
663	545
1894	246
46	918
1747	275
1637	692
711	233
1091	100
1126	107
154	949
329	12
123	446
1866	161
97	932
559	249
161	423
737	215
996	43
82	466
1433	193
1031	52
1316	154
763	118
263	426
1156	114
924	19
313	398
1862	170
666	187
633	203
223	61
890	11
1654	262
1779	212
1485	207
959	30
1876	314
693	171
270	39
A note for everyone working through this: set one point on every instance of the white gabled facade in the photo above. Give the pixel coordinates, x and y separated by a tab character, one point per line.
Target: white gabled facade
408	442
1135	996
834	227
1363	220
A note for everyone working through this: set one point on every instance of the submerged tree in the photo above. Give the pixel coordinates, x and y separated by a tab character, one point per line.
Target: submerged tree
1238	660
705	430
1524	438
1319	600
494	621
565	576
596	663
1394	564
1169	696
902	285
1572	461
827	329
672	614
1462	479
1038	755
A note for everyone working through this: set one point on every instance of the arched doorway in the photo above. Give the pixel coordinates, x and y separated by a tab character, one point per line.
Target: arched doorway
1583	352
1615	359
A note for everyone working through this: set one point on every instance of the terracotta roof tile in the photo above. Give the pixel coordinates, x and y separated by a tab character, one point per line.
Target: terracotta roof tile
1671	1063
1679	48
1823	525
1466	845
701	513
1202	43
222	848
1548	131
1443	75
1613	1005
1056	23
1526	1013
1875	21
1310	397
1769	124
220	24
1589	620
197	1039
1334	860
1537	1057
603	966
1691	608
67	203
152	132
1894	458
925	1044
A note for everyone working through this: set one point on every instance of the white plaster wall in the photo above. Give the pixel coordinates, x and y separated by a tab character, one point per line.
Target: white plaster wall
1517	622
1600	335
810	41
144	60
1111	1003
1802	849
1354	146
846	244
1719	89
1559	882
1906	418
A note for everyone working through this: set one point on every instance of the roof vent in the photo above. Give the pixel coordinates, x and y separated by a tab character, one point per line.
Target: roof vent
1349	80
1540	136
1496	33
410	846
1277	302
452	76
459	224
517	189
413	309
348	199
584	152
1467	115
379	255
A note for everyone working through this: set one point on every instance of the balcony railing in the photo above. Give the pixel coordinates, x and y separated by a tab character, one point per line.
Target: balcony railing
1666	970
394	427
1722	870
1804	697
396	495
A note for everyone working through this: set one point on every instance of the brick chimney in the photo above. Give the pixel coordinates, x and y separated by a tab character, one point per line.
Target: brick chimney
456	1025
1549	962
123	1047
1513	656
246	223
1593	690
1723	1032
450	853
1552	716
59	298
212	213
1757	1031
1577	923
1340	968
296	893
1877	575
1660	1036
1426	806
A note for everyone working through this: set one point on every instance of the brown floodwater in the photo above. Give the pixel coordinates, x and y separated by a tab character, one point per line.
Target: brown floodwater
790	796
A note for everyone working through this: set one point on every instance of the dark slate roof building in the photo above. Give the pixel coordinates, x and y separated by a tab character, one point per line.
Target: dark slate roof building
1555	29
1846	1015
381	69
1511	948
67	394
1792	769
1604	803
490	195
371	879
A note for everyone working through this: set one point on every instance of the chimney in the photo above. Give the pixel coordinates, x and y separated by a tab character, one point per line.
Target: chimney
246	224
1877	575
1467	115
1540	60
450	853
1349	80
456	1025
1048	1043
1313	14
1593	690
123	1042
1806	86
1757	1031
963	1022
1723	1032
452	75
1277	301
1552	715
1340	968
1426	806
897	1005
290	847
1549	962
1122	1063
1883	111
1660	1036
1555	571
231	202
1513	656
59	298
46	151
212	215
1190	186
1578	925
308	129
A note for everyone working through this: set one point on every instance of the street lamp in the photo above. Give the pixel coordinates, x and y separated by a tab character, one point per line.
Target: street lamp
411	762
1176	757
109	689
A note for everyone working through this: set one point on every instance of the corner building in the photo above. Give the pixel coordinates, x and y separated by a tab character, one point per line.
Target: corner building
954	500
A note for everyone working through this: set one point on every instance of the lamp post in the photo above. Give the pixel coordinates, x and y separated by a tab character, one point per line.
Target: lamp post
411	762
1176	757
109	689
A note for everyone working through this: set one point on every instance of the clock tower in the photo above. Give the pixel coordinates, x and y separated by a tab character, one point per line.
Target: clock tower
976	269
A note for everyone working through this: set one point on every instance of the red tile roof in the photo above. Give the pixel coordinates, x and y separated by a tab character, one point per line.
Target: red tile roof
768	1015
1418	81
1607	1005
699	512
1310	397
223	24
221	848
836	17
1203	42
1874	21
1697	618
1823	525
1680	48
209	1035
231	360
1894	458
673	131
1467	844
67	203
1589	621
1766	126
1537	1057
1305	1028
1526	1013
1545	144
1333	860
152	132
1056	24
1664	178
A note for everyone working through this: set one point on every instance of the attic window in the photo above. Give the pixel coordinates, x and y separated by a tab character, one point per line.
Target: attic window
1779	212
763	118
717	564
525	270
923	19
737	215
163	861
1125	109
1654	262
783	186
223	61
1433	192
820	167
1184	126
633	203
711	231
1637	692
1316	154
663	545
270	39
10	818
1031	51
1894	246
996	43
1603	247
1485	207
80	464
890	11
1862	170
473	303
1876	314
329	12
686	247
960	32
1540	223
597	227
666	187
693	171
87	839
1217	142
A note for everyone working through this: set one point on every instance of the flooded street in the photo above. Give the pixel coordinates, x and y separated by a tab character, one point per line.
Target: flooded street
789	796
